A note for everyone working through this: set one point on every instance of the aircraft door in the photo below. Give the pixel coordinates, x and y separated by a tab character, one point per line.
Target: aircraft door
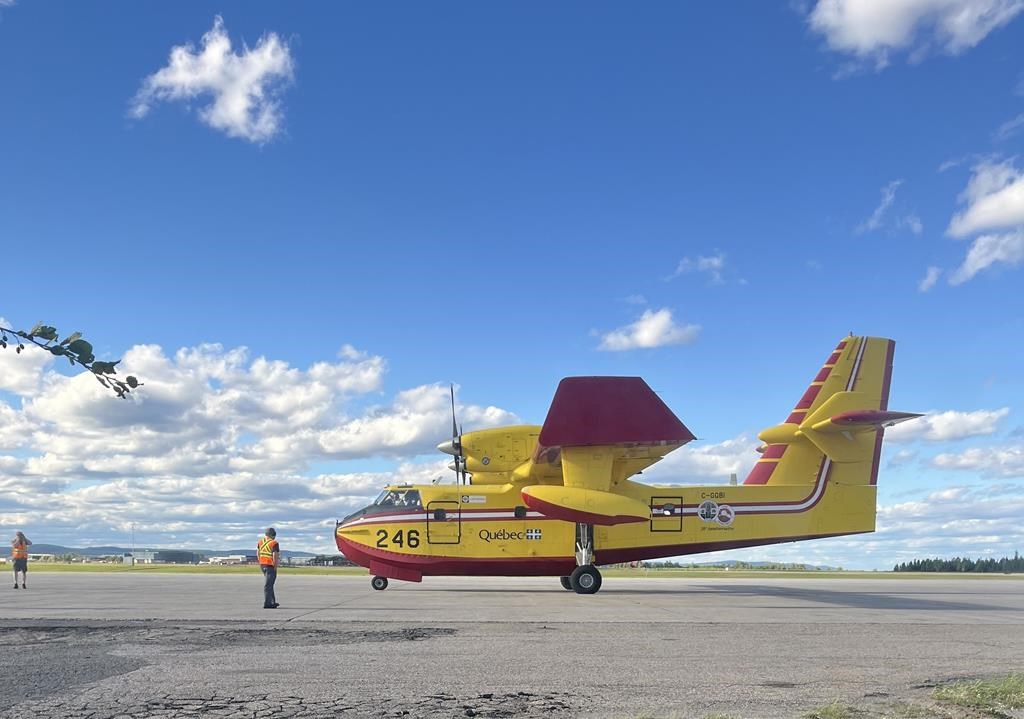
666	514
444	522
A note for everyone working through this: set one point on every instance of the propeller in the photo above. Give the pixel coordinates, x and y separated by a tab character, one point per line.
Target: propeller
454	446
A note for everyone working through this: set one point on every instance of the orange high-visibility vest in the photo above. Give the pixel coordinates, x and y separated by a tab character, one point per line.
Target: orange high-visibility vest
19	551
265	551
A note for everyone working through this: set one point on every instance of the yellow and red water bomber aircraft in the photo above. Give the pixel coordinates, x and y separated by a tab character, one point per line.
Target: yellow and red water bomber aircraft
559	499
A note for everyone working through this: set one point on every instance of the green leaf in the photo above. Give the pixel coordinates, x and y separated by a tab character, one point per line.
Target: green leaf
44	332
80	347
131	381
105	367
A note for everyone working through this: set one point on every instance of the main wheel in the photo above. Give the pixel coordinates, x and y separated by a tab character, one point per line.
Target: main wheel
585	580
379	583
566	583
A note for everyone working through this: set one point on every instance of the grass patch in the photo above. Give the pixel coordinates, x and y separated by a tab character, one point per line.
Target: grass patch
992	696
833	710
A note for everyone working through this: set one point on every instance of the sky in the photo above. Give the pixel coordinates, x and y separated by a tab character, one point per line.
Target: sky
298	224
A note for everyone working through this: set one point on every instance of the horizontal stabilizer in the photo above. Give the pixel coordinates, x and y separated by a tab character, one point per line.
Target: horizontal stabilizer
863	420
841	427
588	506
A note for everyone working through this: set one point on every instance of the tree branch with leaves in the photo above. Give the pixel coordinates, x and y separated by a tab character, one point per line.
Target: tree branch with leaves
76	350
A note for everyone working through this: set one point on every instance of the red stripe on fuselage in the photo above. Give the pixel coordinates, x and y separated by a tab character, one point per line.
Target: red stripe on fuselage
774	451
760	474
809	396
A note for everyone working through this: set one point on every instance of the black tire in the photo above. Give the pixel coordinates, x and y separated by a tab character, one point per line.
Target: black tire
585	580
566	583
379	583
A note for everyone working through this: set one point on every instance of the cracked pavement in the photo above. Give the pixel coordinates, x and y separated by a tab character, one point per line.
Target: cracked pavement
117	645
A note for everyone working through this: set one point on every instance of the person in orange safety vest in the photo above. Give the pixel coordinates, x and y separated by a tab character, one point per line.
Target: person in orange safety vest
268	552
19	553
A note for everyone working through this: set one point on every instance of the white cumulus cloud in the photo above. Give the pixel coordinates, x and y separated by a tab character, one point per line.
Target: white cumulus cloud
873	30
214	444
988	250
699	463
655	328
888	197
994	202
243	88
948	426
879	216
931	276
1001	461
1009	128
712	266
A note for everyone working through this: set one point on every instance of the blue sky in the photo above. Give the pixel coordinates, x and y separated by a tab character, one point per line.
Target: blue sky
499	196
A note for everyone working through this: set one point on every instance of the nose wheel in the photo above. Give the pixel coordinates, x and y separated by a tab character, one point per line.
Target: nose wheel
379	583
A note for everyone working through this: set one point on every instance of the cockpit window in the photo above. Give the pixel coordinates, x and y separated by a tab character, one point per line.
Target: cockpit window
400	498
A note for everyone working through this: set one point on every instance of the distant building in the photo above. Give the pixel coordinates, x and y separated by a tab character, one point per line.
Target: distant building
324	560
234	559
166	556
42	557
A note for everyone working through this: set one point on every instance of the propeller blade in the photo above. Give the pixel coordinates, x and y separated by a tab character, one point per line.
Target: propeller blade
455	428
456	443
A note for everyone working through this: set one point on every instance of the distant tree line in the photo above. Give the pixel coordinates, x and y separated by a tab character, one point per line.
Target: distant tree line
1006	565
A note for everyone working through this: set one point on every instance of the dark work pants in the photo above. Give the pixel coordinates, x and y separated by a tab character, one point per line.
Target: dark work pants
269	577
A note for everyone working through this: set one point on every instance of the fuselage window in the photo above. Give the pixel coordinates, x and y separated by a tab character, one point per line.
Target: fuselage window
409	498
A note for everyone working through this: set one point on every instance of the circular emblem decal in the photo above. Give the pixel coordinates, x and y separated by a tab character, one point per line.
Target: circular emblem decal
485	461
725	515
708	511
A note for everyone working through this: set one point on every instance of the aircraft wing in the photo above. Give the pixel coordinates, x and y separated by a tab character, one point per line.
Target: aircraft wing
601	430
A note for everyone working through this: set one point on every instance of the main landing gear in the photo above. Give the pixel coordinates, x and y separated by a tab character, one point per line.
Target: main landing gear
379	583
585	579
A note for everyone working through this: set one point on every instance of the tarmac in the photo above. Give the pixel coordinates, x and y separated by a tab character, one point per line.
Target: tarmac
133	644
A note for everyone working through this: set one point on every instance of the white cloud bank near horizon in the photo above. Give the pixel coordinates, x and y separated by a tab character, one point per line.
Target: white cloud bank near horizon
213	442
243	88
218	443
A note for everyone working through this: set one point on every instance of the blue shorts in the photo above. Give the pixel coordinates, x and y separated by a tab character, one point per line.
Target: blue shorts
21	565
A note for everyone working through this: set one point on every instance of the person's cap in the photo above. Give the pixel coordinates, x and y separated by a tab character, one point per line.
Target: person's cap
271	532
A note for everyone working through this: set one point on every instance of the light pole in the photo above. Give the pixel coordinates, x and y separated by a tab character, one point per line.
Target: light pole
133	544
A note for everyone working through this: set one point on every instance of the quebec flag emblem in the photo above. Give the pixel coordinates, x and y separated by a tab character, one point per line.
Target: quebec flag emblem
533	534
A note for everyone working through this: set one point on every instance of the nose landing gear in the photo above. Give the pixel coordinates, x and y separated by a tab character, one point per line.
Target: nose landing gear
379	583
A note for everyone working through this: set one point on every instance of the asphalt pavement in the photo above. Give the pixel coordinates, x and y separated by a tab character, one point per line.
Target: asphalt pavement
138	644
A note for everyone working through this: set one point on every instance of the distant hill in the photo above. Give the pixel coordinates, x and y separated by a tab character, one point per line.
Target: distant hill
39	548
734	563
